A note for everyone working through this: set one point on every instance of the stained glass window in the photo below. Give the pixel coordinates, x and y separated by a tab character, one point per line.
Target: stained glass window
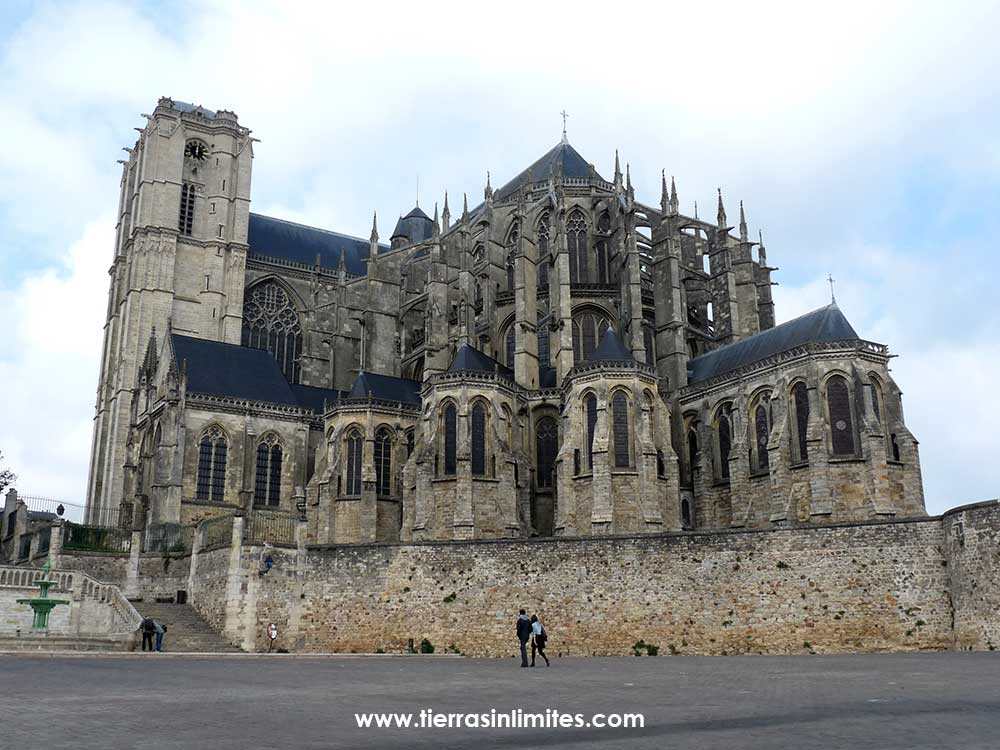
212	454
450	439
383	462
619	417
590	407
576	240
762	431
267	481
838	398
546	444
270	322
479	440
725	444
355	449
800	396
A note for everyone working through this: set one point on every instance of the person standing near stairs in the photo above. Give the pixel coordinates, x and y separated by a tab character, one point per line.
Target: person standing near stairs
148	627
161	630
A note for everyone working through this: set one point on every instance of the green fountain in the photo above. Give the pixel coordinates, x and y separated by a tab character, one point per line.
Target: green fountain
41	605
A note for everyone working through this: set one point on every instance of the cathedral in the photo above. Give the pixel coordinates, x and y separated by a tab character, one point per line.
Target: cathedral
559	359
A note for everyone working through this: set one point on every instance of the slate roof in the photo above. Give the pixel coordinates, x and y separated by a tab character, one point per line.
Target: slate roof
573	165
386	388
215	368
611	349
208	114
277	238
469	359
825	324
416	226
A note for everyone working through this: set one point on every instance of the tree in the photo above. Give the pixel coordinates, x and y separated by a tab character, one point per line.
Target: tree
7	477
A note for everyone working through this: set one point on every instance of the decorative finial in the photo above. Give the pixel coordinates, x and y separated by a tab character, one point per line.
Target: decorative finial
664	195
618	169
374	237
696	209
488	191
564	116
418	191
833	298
743	224
465	205
628	176
721	216
674	203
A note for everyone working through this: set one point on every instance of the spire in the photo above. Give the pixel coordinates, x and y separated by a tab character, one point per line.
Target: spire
674	203
465	206
374	235
696	210
435	229
618	169
664	195
721	216
628	177
445	214
761	252
743	225
488	191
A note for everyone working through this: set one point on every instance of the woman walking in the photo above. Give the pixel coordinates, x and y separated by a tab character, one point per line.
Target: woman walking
539	636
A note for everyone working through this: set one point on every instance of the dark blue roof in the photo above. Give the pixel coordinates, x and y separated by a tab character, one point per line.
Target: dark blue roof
277	238
825	324
194	109
416	226
215	368
472	360
386	388
611	349
573	165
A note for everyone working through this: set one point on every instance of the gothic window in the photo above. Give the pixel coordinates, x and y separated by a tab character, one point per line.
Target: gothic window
576	240
661	467
383	462
544	355
588	330
212	466
267	482
270	322
876	400
895	447
685	513
800	397
355	450
478	440
602	261
590	408
185	219
479	296
546	446
762	430
692	454
647	341
410	444
510	345
620	431
838	399
725	437
450	439
543	252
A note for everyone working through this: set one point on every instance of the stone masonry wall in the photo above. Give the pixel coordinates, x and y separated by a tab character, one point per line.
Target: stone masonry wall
865	587
971	535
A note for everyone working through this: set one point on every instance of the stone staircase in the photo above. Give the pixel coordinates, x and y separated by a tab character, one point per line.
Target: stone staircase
187	631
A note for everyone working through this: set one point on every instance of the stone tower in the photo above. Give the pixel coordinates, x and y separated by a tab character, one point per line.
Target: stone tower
179	260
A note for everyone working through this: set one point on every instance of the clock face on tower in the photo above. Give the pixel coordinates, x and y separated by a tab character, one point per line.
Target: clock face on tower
196	150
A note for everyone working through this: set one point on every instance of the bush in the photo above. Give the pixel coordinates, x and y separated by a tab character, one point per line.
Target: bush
426	647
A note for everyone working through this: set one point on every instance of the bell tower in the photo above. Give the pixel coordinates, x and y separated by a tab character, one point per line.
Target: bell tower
179	260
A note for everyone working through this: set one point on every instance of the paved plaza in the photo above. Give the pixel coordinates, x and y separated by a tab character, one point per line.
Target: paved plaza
939	700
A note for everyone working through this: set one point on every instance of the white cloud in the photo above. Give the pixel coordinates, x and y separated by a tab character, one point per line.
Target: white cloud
53	323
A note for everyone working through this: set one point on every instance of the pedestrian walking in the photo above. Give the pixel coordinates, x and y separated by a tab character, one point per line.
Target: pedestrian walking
523	636
148	629
538	639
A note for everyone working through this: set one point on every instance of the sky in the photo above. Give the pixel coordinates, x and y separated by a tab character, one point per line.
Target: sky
863	139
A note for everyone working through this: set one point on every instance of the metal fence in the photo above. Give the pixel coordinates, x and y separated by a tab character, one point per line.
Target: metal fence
87	538
217	532
270	526
168	537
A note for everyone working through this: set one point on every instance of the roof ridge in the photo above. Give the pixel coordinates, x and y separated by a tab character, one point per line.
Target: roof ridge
317	229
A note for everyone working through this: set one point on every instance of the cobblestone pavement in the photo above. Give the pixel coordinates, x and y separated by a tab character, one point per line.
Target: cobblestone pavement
940	700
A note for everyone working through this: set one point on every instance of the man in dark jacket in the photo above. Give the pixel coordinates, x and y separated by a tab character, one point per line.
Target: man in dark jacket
523	635
148	628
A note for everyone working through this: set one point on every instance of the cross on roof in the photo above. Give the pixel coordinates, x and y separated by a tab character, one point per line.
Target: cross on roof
833	298
564	114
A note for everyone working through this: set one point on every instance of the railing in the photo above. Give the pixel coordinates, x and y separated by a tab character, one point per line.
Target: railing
216	532
168	537
276	527
87	538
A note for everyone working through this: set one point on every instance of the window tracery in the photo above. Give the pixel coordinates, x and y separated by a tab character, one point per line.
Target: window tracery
270	322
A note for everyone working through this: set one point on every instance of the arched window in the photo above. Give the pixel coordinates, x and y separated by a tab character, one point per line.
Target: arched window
543	252
685	513
725	437
267	483
876	400
450	439
544	351
762	431
838	400
588	330
647	341
353	451
478	439
620	429
576	240
661	467
410	443
185	218
590	410
546	447
212	454
800	399
270	322
692	454
383	462
895	447
510	345
603	257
